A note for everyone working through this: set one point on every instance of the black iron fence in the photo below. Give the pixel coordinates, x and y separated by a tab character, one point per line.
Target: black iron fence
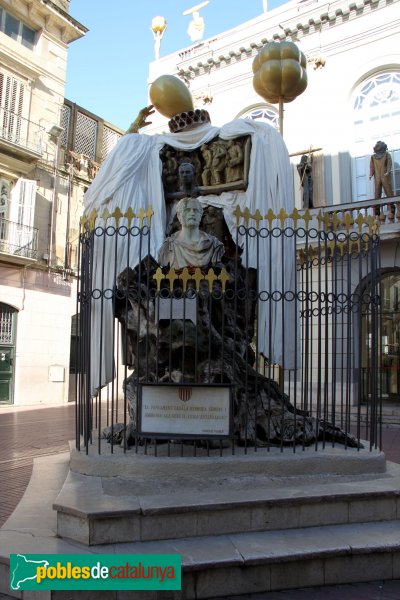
276	344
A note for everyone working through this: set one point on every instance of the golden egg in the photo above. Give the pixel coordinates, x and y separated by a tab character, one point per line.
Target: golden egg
170	96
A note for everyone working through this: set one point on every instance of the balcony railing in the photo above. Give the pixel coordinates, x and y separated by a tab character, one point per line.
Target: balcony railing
21	132
386	211
18	240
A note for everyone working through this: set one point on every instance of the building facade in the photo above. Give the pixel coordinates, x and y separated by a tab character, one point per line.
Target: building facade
352	101
50	150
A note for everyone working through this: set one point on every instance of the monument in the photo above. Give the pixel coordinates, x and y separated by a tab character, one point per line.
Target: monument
189	283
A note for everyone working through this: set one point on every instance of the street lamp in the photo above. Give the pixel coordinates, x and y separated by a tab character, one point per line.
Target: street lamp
55	131
158	26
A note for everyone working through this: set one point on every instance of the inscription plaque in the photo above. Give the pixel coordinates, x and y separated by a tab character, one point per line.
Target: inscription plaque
184	410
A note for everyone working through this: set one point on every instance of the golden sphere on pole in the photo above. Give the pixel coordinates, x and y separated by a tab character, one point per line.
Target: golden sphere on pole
170	96
158	25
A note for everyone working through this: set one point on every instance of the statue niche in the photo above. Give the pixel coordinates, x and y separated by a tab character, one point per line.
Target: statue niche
219	166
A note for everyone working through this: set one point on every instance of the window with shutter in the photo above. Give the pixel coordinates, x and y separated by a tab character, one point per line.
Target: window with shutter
22	212
23	202
11	106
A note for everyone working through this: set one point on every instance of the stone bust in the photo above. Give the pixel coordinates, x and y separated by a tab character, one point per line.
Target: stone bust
190	246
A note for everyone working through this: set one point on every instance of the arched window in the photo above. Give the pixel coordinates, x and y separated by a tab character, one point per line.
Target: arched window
266	114
376	116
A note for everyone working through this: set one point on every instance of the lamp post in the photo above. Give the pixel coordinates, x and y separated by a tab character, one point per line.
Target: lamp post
158	26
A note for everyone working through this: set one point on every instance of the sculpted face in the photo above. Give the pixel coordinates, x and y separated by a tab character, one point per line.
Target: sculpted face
186	172
190	213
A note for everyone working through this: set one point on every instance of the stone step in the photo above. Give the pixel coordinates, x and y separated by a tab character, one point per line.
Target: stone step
219	566
213	566
103	510
266	561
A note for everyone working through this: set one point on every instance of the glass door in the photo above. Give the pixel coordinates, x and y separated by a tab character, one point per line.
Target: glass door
387	344
7	352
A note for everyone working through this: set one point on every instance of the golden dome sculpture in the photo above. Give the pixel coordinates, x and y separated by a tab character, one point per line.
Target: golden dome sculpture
280	74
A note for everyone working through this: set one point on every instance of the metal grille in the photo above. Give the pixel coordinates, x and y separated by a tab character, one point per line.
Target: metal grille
228	327
110	138
6	324
65	122
86	135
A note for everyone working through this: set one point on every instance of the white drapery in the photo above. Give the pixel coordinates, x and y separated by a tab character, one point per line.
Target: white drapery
131	176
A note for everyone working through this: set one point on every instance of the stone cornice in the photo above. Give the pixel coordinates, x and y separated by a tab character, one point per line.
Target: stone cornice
44	14
188	68
65	16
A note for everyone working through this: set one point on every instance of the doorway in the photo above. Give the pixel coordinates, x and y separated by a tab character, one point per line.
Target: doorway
388	341
8	324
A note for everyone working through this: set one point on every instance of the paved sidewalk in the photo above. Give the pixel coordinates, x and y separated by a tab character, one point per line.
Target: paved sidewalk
25	434
28	433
